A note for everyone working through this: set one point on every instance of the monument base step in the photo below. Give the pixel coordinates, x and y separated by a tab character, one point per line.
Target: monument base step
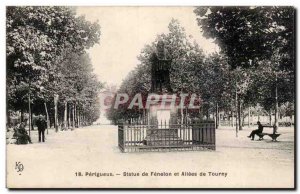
163	141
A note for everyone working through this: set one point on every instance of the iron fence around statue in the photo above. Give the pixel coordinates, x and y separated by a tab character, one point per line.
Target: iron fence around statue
141	138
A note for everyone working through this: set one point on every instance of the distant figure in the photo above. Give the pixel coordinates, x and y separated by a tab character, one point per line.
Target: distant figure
42	125
274	128
257	131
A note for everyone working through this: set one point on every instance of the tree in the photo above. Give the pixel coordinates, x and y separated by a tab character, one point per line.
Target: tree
39	41
249	36
191	72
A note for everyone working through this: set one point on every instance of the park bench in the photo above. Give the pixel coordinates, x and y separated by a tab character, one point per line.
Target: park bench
272	135
261	135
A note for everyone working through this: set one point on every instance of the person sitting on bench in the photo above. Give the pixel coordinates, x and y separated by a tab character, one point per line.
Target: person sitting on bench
257	131
21	134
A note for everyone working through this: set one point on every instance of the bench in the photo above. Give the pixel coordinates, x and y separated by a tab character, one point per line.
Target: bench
261	135
272	135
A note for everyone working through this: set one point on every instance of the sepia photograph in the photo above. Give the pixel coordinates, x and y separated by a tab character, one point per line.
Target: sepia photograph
155	97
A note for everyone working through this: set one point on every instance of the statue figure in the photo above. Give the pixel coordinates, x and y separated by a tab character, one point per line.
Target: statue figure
160	69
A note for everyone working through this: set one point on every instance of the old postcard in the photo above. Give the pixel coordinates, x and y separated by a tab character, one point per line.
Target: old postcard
150	97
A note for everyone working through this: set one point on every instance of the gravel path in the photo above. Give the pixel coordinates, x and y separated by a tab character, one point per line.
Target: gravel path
92	152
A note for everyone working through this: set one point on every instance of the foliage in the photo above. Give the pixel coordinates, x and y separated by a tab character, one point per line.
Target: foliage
46	56
259	43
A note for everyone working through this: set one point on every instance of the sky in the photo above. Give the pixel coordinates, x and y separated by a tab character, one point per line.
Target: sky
126	30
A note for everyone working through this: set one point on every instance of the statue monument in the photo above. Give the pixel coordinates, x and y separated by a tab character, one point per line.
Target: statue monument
162	115
160	69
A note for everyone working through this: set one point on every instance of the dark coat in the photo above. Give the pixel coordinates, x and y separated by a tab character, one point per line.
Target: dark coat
41	124
260	128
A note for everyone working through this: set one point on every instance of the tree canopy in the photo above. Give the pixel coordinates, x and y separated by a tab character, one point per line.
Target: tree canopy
46	56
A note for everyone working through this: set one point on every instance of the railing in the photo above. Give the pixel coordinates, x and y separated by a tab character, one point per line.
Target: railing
136	138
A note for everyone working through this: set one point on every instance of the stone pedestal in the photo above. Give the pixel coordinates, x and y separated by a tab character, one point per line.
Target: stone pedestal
162	137
163	113
161	130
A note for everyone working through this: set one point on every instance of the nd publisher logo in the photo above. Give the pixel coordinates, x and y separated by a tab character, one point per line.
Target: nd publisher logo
19	167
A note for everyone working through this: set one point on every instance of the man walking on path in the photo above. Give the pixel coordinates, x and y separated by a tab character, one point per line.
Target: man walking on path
42	125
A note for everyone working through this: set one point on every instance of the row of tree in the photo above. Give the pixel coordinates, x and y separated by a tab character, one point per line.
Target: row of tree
254	68
48	69
259	43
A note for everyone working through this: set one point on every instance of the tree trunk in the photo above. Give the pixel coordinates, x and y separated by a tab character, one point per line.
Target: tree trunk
242	116
69	116
186	115
207	112
231	118
47	117
22	115
55	112
83	119
249	116
201	113
276	106
31	117
149	119
78	118
270	117
239	113
51	122
73	116
258	116
217	116
65	115
181	113
236	112
29	113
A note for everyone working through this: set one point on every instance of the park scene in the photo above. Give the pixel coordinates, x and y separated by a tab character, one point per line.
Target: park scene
170	97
